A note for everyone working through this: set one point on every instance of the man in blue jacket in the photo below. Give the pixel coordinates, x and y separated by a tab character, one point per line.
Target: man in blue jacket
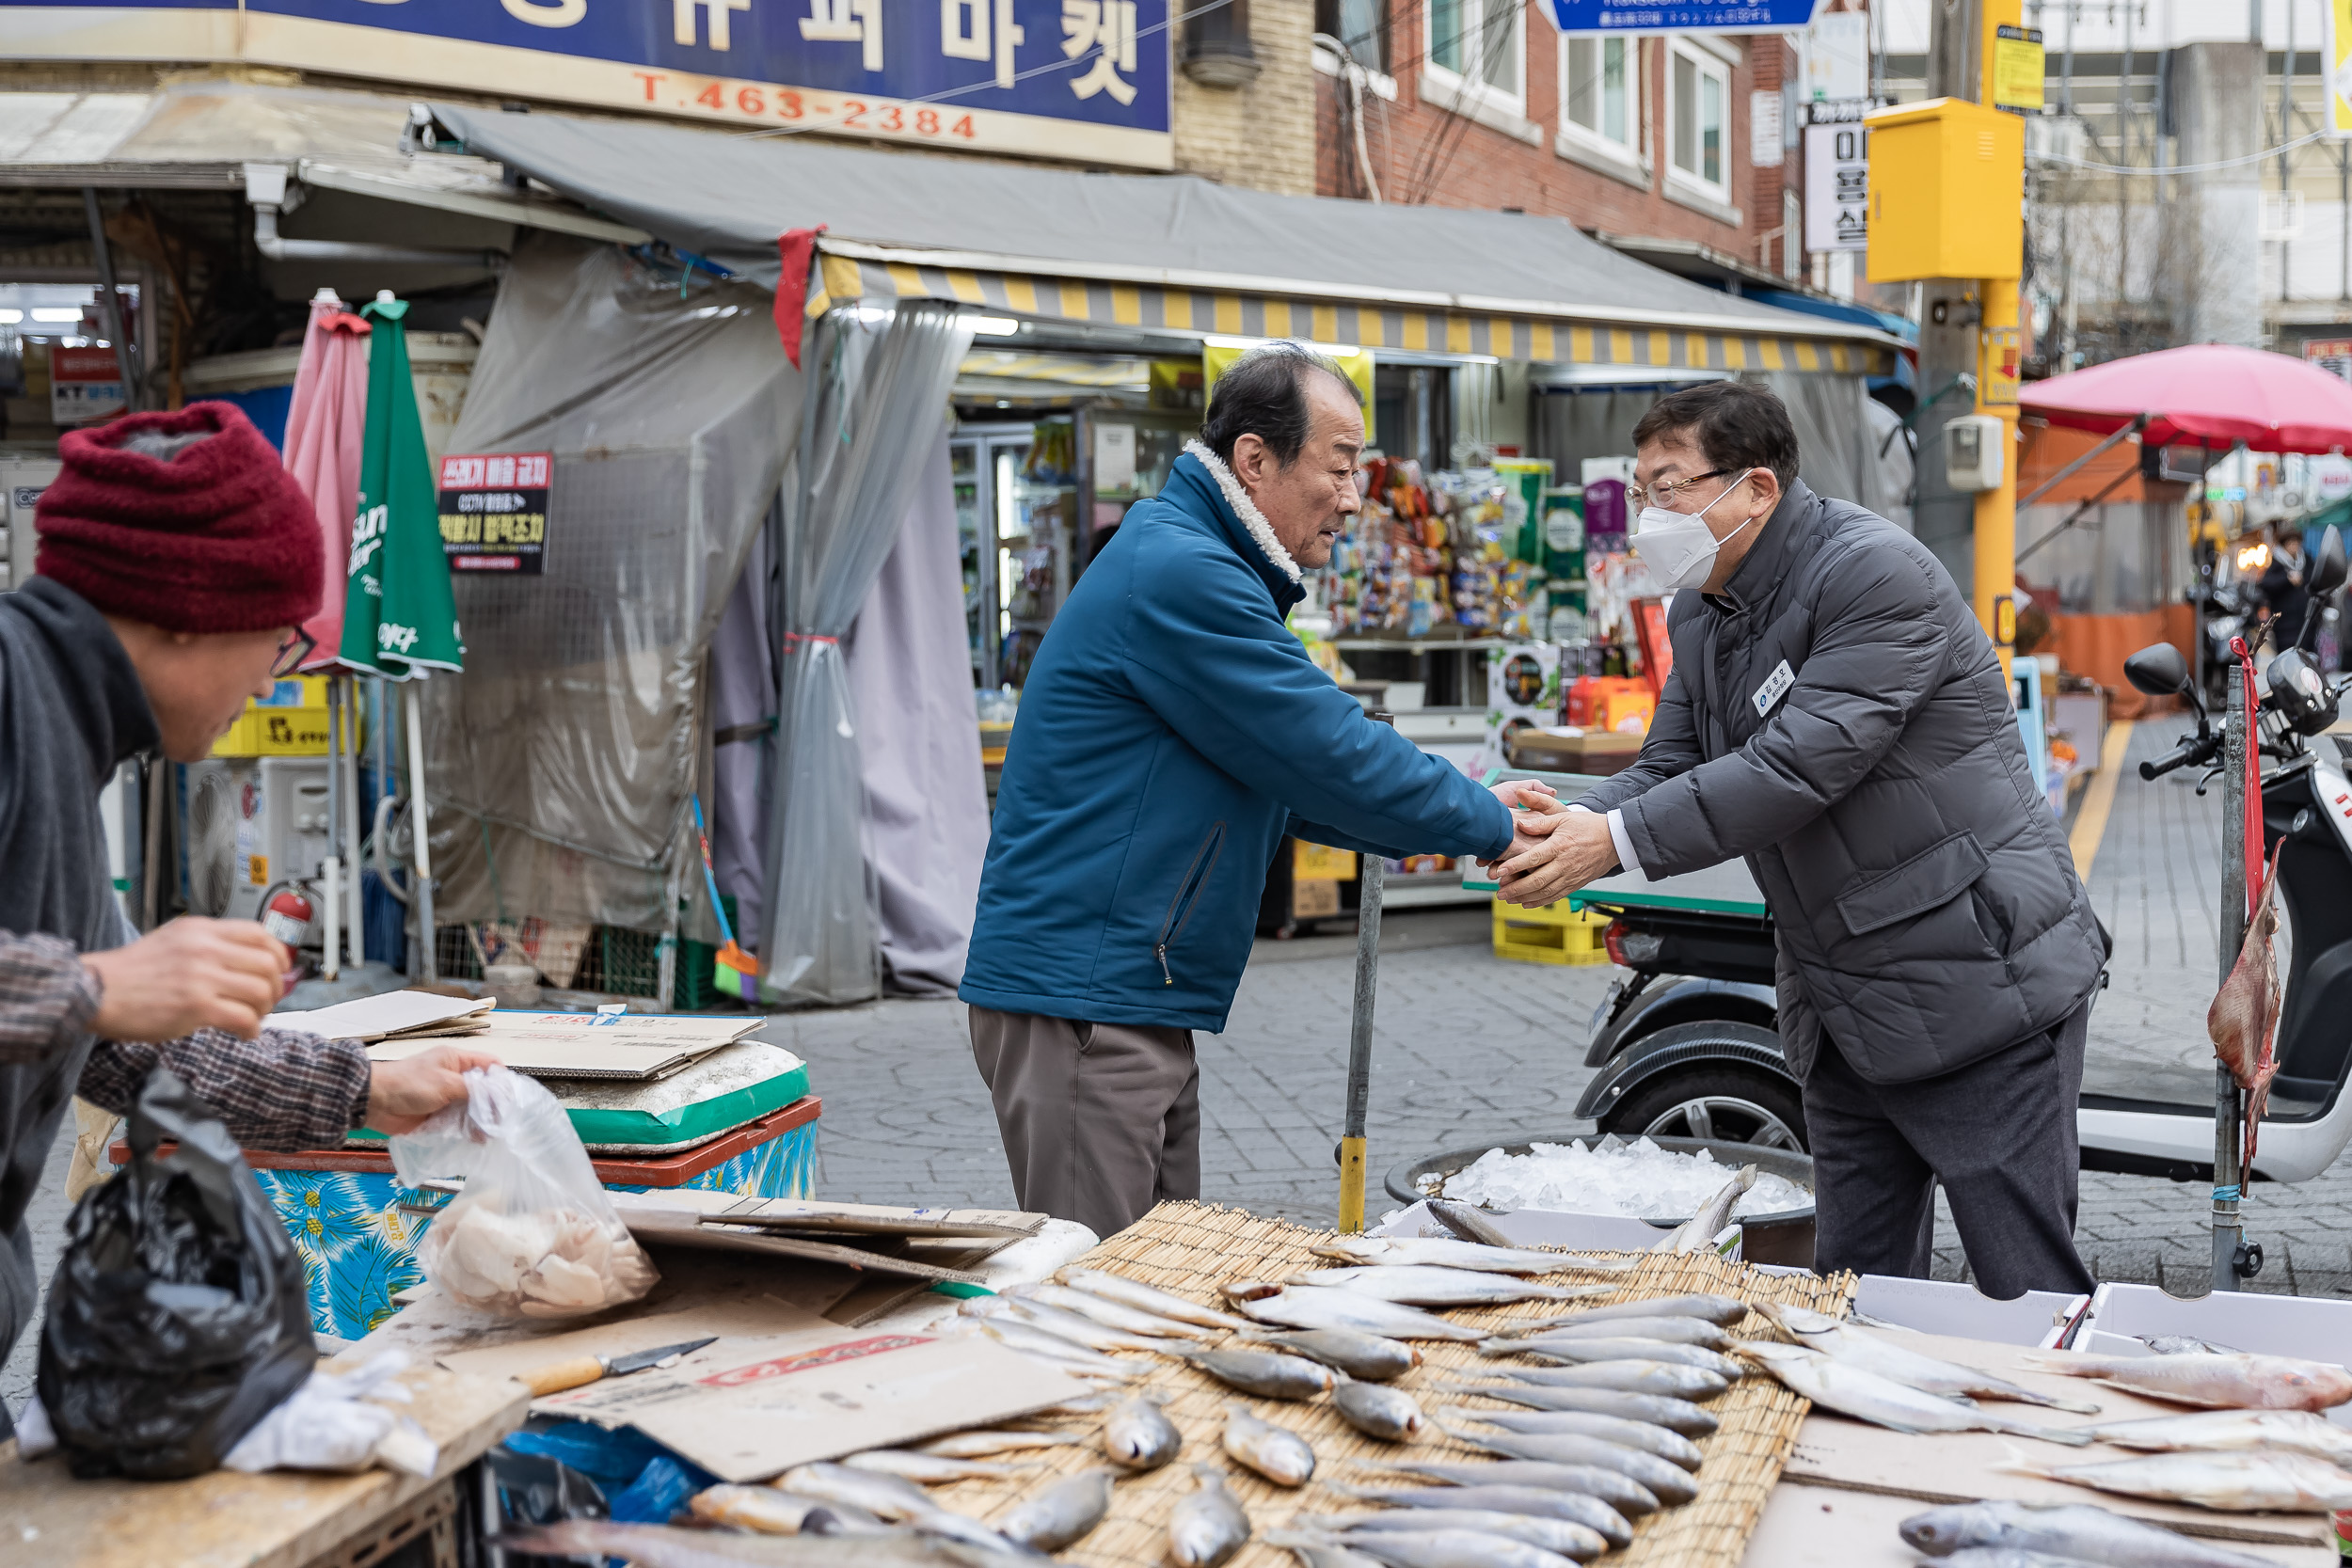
1171	733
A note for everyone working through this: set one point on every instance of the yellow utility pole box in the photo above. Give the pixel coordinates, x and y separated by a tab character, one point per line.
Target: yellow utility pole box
1947	192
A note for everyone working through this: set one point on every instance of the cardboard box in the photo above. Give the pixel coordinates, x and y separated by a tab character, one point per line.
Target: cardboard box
1566	748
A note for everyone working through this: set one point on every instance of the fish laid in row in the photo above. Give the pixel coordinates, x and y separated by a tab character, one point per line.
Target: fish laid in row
1269	1373
1612	1486
2065	1530
1865	1396
1109	1313
1207	1526
1315	1306
1668	1446
1138	1435
1379	1412
1446	1253
1427	1285
1859	1348
1540	1502
1678	1416
1568	1538
1666	1481
1597	1349
1275	1453
2237	1382
1367	1356
1667	1379
2260	1482
1119	1288
1060	1515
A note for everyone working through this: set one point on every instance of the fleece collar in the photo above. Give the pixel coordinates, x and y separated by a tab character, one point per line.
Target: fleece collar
1246	509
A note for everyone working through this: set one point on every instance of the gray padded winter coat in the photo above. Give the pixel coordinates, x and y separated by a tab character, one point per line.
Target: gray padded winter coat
1926	903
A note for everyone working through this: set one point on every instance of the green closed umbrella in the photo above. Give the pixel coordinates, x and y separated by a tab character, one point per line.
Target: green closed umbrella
400	618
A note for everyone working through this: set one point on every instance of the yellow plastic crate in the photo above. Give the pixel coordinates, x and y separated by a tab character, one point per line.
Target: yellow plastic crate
1554	934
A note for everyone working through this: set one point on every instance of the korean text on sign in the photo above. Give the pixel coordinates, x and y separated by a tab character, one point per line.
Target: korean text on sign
494	511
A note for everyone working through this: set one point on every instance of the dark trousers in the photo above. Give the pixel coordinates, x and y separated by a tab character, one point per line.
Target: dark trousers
1999	1133
1100	1120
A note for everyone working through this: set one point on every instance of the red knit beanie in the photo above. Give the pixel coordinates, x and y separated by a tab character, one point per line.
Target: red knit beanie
187	521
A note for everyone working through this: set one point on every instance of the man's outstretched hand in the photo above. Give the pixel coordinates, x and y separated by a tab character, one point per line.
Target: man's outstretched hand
1577	850
403	1094
187	975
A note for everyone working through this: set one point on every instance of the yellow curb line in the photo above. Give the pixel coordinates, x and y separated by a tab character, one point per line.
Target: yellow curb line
2091	823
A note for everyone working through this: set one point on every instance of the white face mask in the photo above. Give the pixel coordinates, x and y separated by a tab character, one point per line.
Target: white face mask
1678	547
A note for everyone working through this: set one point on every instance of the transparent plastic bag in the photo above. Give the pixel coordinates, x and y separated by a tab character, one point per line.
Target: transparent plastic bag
534	1235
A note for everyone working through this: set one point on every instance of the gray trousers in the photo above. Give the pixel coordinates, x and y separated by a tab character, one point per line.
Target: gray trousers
1999	1134
1100	1120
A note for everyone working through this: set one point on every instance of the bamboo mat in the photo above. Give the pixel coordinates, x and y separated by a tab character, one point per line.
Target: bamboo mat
1192	1248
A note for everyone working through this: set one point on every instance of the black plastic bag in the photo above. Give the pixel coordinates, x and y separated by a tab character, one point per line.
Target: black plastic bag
177	1317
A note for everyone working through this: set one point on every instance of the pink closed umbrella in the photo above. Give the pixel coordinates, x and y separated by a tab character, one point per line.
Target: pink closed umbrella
323	429
2213	394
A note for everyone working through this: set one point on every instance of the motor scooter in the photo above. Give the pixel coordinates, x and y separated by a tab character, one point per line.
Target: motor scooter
1688	1036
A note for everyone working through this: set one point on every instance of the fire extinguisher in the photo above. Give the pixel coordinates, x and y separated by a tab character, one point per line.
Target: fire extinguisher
287	915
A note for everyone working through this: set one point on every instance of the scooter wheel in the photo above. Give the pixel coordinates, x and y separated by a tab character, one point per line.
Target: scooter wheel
1713	1100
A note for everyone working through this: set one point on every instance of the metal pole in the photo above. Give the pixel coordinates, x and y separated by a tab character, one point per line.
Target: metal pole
2227	1176
1352	1171
332	964
420	840
125	360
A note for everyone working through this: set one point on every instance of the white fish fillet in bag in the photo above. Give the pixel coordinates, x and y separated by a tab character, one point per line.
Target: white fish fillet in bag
534	1234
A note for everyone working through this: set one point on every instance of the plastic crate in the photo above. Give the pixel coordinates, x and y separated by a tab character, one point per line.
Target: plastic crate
694	989
1554	934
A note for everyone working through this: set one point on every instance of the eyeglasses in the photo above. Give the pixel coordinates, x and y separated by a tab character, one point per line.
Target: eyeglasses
1666	490
292	653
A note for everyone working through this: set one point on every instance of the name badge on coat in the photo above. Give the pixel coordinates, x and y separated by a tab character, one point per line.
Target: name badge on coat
1775	687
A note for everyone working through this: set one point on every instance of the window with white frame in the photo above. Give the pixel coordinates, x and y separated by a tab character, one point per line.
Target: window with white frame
1698	121
1475	44
1600	91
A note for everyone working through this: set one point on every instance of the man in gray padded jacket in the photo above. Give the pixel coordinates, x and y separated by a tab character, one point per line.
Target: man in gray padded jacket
1836	717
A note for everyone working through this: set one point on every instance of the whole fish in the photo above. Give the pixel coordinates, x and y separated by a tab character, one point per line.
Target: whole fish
927	1468
2225	1482
1446	1253
1362	1356
1378	1412
1532	1503
1673	1331
1670	1447
2182	1344
2228	1382
980	1444
2243	1022
1111	1287
1669	1483
1063	1513
1723	1311
1565	1536
1306	1306
1266	1372
1085	1404
1849	1390
1426	1285
1674	1415
1138	1436
2065	1529
1667	1378
1453	1549
662	1546
1316	1550
1275	1453
963	1530
1026	1337
1614	1487
763	1509
1109	1313
1080	1329
1467	1221
2296	1431
890	1497
1833	1338
1209	1526
1578	1349
1699	1232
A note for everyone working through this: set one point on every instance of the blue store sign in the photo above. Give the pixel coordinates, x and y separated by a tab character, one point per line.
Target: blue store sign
1684	16
1079	79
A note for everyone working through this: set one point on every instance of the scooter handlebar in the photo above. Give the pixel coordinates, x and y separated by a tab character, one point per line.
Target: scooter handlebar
2192	750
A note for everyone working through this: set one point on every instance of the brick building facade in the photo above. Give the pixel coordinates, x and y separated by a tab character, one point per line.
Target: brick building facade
1478	103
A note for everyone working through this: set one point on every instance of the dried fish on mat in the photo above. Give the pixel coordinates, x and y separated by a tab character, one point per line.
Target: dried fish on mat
1678	1416
1080	1329
1315	1306
1699	1232
1670	1378
1275	1453
1065	1355
1580	1348
2225	1482
1266	1372
1613	1486
1672	1331
772	1512
1539	1502
1378	1412
2065	1530
1427	1285
930	1469
1061	1513
1859	1348
2295	1431
891	1498
980	1444
1138	1436
660	1546
1118	1287
1445	1252
1866	1397
1321	1551
1668	1482
1723	1311
1568	1538
1449	1548
1669	1446
1367	1356
1109	1313
1210	1525
2235	1382
2243	1022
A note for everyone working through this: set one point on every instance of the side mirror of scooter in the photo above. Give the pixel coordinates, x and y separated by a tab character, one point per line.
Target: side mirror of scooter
2161	671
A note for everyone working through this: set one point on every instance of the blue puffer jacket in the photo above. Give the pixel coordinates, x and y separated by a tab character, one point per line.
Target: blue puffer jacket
1171	732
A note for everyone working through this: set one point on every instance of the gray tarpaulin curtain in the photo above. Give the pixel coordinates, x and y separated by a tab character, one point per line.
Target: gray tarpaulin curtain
879	387
561	762
926	794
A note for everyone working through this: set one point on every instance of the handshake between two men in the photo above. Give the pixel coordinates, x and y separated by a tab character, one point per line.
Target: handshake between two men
1555	848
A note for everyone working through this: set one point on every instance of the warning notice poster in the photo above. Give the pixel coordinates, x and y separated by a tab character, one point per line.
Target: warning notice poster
494	511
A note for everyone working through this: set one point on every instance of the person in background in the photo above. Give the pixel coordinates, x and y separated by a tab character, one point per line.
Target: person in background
1836	717
2283	590
176	560
1172	731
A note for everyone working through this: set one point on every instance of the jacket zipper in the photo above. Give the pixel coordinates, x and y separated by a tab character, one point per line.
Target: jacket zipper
1187	894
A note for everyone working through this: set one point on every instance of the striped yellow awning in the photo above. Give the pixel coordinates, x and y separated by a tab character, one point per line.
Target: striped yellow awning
1375	326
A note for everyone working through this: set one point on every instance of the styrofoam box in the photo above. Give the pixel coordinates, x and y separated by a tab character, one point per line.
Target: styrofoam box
1940	1306
1542	1227
2307	1327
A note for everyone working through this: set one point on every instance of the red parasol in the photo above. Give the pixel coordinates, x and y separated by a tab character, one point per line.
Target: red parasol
2212	393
